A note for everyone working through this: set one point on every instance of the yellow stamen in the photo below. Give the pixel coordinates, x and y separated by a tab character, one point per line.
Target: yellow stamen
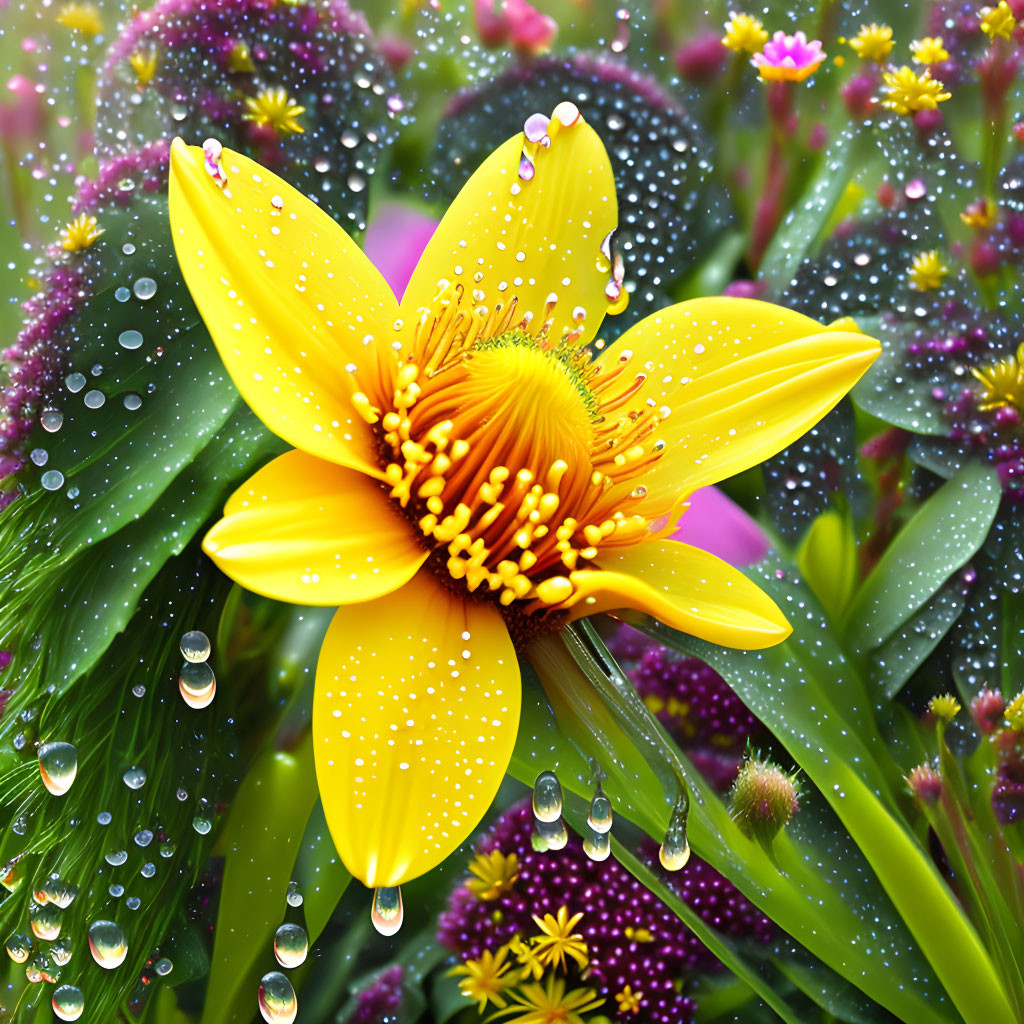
486	978
1002	383
744	34
275	109
927	272
998	21
80	233
906	91
628	1000
929	50
558	940
873	42
144	64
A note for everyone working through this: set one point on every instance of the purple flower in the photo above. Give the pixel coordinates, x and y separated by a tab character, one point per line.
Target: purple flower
395	238
717	524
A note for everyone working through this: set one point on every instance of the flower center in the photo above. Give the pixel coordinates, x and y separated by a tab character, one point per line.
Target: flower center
515	456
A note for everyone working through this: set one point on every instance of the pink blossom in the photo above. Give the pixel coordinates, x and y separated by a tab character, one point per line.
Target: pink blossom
717	524
395	238
516	22
789	58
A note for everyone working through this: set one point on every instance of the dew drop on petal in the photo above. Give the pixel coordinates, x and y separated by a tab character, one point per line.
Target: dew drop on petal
386	913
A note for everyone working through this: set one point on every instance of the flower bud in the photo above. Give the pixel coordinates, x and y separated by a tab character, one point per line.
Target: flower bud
763	798
943	707
925	783
987	710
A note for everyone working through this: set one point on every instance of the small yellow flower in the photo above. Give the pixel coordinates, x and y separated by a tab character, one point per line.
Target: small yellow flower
275	108
144	64
80	233
84	18
980	214
907	91
549	1004
240	59
744	33
558	939
495	874
927	271
945	707
528	960
873	42
997	21
486	978
929	50
1003	383
637	934
1015	713
628	1000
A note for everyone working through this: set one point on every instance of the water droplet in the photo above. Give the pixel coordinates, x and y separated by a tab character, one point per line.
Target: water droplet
134	778
597	845
195	646
58	765
128	248
52	480
38	456
148	870
18	948
104	817
291	945
60	952
130	339
51	420
75	382
547	797
202	825
143	837
675	850
133	903
59	892
277	1001
68	1002
195	679
94	399
294	896
116	890
45	920
117	858
132	401
551	834
107	944
386	913
122	294
163	967
145	288
600	817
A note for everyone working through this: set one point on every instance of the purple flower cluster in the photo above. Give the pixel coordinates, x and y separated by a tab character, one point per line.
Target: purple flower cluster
692	701
632	937
380	1000
1008	792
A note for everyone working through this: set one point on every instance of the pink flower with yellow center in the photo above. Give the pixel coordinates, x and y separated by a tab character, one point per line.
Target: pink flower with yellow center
788	58
466	475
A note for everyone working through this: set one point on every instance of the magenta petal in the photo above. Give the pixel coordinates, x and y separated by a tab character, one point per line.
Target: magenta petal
717	524
394	241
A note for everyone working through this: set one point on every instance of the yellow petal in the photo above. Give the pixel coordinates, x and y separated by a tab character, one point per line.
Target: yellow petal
506	237
686	588
740	379
414	720
311	532
291	302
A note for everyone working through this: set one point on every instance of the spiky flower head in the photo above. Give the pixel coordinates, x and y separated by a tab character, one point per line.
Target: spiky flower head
145	63
744	33
558	939
549	1003
763	798
925	783
1015	713
907	92
495	874
80	233
789	58
873	42
274	108
929	50
927	271
1002	383
997	22
486	978
944	706
987	710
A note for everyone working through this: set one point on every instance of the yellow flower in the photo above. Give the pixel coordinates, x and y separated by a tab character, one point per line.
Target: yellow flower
275	108
84	18
744	33
144	64
549	1004
628	1000
637	934
1014	713
495	874
873	42
930	50
982	213
1002	382
558	939
80	233
240	59
486	979
525	483
944	707
927	272
907	91
998	20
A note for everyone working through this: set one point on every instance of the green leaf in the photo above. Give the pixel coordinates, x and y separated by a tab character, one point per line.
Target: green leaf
261	840
828	560
940	538
322	877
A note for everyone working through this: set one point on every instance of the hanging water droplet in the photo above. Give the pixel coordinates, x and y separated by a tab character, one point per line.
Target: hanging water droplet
291	945
293	897
145	288
386	913
134	778
68	1002
51	420
44	920
163	967
195	646
107	944
197	684
675	850
18	948
547	797
552	834
600	817
277	1001
597	845
60	952
58	766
